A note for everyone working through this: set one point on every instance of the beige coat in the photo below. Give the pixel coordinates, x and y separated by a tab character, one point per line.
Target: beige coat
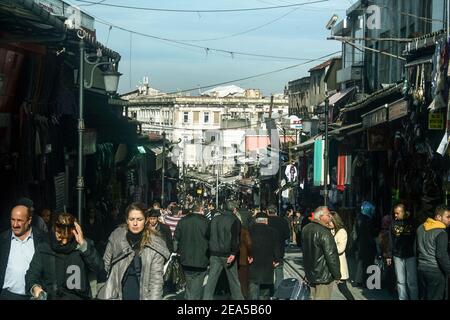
341	242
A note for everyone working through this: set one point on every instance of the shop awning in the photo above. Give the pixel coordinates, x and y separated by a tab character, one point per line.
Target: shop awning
339	96
345	129
380	94
375	117
307	144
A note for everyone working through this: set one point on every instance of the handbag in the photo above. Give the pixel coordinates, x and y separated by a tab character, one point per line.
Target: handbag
174	273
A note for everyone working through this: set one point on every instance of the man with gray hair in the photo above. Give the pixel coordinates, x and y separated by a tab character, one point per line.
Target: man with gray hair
320	255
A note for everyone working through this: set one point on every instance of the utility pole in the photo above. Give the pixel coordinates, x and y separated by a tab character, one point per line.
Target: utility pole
163	171
271	107
80	178
217	185
325	155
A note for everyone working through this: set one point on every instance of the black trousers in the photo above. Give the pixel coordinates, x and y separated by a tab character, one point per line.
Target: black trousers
7	295
432	285
342	286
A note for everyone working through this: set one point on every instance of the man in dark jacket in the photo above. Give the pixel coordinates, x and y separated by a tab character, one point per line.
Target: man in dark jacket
282	227
59	269
191	243
162	228
320	255
402	234
17	247
224	247
433	260
265	256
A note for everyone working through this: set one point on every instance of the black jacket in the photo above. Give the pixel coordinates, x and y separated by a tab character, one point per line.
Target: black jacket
320	255
401	238
284	232
54	271
365	238
265	251
166	234
225	234
5	247
191	241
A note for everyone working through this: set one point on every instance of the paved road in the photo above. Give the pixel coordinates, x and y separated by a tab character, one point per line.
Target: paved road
294	265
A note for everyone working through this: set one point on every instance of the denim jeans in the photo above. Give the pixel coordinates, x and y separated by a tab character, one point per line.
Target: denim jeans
194	284
406	273
216	265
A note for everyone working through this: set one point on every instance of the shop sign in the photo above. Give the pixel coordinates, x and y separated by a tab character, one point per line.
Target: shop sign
436	121
375	117
398	109
90	142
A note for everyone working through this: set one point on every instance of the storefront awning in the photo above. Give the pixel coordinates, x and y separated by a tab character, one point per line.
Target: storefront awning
385	113
339	96
375	117
345	129
307	144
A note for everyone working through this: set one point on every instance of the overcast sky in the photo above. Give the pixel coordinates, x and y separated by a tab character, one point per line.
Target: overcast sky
171	67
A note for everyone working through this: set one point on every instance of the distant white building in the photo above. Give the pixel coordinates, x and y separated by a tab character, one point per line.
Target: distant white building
226	111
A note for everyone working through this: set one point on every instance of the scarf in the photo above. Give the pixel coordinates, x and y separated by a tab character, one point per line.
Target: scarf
63	249
134	239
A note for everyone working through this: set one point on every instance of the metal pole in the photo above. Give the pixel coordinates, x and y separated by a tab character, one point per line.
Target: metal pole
80	178
448	20
279	185
325	155
163	171
217	186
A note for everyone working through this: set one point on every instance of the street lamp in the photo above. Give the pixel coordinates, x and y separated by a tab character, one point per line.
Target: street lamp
325	155
163	170
111	78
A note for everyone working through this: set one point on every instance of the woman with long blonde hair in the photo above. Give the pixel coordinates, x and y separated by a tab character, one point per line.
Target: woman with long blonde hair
134	259
340	237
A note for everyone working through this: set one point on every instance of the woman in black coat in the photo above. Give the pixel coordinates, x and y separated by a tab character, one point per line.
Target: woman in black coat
265	256
59	269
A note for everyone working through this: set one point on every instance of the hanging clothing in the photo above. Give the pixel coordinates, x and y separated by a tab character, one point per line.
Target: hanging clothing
341	172
319	146
344	171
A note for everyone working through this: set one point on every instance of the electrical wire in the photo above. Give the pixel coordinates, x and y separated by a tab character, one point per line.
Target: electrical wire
207	50
202	11
249	77
242	32
91	4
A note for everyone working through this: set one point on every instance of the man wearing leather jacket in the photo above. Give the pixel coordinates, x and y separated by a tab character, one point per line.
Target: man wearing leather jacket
320	255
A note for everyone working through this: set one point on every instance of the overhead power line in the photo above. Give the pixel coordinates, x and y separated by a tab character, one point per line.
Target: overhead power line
201	10
245	31
253	76
207	50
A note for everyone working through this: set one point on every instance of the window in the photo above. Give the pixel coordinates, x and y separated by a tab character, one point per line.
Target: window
205	117
196	116
185	117
216	117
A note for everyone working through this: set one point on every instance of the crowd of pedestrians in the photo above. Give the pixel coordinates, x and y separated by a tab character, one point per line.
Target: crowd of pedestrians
126	257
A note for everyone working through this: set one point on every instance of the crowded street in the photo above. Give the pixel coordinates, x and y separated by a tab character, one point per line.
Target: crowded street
225	150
